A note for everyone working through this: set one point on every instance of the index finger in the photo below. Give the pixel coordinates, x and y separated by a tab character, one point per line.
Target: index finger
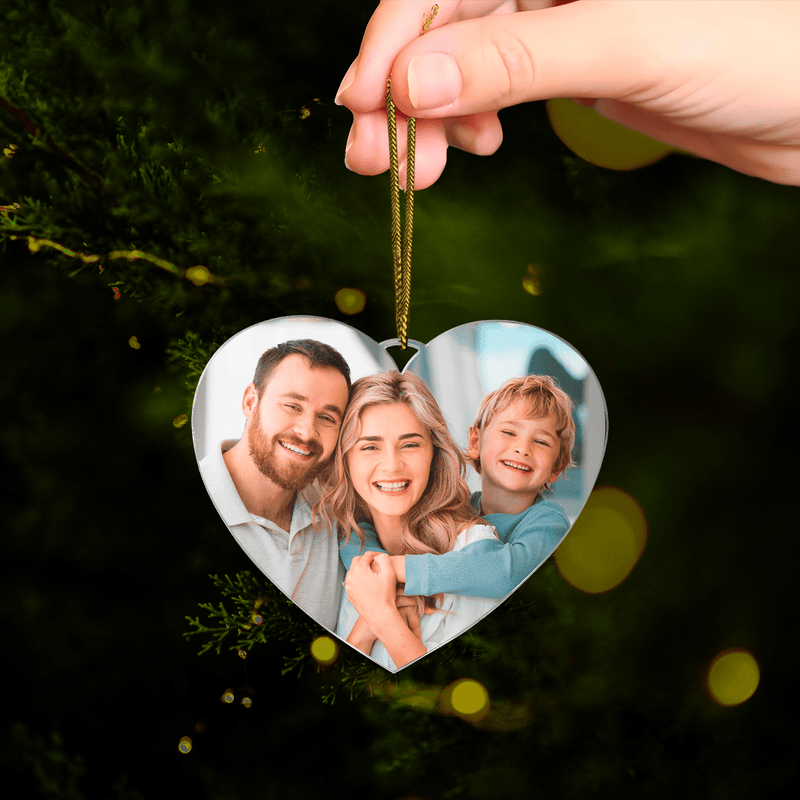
392	26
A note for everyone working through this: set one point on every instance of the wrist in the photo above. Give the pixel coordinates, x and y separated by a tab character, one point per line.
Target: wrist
385	621
362	637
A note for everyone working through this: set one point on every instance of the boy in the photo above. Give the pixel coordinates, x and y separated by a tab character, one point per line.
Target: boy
520	443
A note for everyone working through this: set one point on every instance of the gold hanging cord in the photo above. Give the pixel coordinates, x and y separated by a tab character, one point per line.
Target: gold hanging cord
401	252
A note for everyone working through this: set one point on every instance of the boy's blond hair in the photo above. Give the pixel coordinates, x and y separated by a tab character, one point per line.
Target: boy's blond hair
542	396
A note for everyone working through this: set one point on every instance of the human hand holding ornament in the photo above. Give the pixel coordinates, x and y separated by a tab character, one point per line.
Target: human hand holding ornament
714	79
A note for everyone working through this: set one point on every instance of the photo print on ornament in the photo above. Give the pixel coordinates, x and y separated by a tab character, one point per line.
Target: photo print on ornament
430	494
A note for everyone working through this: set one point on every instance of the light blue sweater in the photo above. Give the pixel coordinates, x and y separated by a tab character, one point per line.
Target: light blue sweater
488	568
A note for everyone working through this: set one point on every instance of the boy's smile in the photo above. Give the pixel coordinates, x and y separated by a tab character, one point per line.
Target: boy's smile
517	454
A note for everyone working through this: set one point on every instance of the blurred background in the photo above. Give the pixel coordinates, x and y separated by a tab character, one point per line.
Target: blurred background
195	150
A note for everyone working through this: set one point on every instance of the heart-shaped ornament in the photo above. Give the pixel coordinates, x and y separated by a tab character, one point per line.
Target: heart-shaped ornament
307	445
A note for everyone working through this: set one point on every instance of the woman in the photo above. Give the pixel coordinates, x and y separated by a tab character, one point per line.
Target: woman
397	468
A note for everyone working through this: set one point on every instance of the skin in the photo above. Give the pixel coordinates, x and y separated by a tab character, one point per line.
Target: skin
517	455
371	587
295	426
716	79
390	467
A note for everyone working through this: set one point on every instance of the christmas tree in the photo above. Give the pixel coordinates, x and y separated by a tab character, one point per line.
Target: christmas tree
172	173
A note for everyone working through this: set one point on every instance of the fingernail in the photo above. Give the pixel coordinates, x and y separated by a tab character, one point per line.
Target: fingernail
345	84
434	80
347	147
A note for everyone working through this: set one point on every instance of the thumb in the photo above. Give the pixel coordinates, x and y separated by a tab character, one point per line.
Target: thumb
581	49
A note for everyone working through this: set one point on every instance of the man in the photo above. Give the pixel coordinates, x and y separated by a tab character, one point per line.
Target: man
264	485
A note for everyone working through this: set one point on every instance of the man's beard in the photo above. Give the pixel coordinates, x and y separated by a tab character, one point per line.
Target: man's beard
289	476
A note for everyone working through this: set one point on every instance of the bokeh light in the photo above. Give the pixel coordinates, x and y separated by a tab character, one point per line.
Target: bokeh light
467	699
180	420
732	677
605	542
185	744
227	696
350	301
530	283
247	702
324	650
599	140
241	653
134	343
256	618
198	275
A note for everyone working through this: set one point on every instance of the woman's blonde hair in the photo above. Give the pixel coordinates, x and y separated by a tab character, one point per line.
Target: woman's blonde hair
433	524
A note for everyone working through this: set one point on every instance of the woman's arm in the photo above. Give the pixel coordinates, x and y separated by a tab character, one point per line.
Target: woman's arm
371	588
362	637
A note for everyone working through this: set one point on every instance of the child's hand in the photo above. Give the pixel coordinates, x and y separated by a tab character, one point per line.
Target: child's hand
407	606
715	79
408	611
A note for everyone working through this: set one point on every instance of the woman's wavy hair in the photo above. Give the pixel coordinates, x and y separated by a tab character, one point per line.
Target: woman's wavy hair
433	524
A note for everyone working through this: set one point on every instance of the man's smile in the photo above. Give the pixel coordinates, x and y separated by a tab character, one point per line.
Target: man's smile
295	448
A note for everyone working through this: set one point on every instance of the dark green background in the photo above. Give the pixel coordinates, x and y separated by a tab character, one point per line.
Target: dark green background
678	283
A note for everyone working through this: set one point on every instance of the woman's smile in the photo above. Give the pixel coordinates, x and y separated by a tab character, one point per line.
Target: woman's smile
392	487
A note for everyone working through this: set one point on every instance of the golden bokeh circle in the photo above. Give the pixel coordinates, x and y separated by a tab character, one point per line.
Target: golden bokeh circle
350	301
733	677
599	140
466	698
324	650
605	542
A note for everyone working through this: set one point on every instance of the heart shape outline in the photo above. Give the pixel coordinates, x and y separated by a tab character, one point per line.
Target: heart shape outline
475	358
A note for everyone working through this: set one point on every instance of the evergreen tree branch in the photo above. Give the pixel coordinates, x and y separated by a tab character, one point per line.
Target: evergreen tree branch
83	172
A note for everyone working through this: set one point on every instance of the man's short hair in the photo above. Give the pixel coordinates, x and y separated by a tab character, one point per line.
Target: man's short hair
317	353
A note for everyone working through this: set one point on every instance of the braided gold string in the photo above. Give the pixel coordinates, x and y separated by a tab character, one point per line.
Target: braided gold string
401	252
400	314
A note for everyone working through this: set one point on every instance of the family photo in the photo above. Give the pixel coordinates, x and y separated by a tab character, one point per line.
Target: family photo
350	491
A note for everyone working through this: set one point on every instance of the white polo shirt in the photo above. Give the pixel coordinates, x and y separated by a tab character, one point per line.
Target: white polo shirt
304	564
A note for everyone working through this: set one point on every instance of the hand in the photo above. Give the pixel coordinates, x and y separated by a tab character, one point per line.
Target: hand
407	606
715	79
371	585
